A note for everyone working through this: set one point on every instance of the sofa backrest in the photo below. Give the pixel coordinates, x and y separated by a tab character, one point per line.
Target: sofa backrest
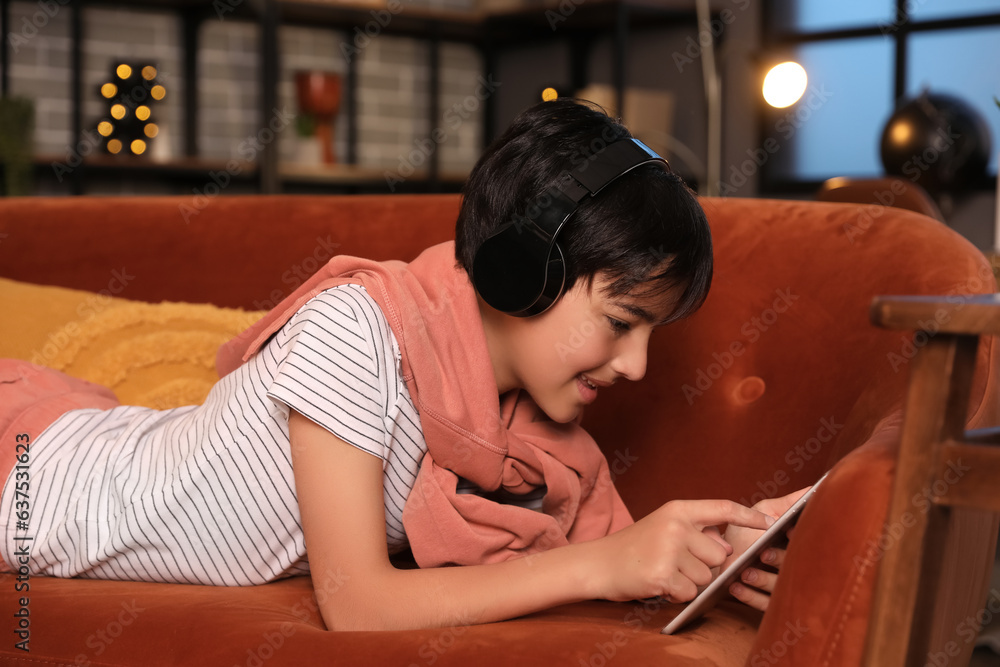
778	376
239	251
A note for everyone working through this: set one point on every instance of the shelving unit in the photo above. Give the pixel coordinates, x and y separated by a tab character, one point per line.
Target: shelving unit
491	32
582	23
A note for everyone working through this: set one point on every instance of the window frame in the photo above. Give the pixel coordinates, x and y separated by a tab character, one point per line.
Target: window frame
775	39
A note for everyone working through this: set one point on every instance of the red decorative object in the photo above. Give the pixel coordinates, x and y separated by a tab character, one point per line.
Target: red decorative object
319	96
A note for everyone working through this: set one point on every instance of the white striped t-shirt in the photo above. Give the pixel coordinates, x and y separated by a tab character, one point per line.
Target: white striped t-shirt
206	494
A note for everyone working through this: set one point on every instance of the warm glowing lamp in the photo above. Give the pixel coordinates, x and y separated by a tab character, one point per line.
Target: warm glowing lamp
785	84
549	94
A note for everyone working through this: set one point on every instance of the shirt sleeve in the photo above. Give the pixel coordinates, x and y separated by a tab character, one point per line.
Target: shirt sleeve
333	360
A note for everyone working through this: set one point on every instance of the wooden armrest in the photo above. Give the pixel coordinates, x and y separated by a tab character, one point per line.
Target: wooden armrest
957	313
931	577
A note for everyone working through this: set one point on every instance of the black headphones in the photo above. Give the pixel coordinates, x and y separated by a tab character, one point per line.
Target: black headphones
520	270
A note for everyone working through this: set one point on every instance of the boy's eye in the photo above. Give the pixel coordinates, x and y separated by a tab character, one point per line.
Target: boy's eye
618	326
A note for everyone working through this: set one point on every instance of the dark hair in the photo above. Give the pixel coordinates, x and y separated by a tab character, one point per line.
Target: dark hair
627	231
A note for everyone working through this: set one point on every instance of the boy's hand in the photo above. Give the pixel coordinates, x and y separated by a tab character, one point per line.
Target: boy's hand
756	584
669	553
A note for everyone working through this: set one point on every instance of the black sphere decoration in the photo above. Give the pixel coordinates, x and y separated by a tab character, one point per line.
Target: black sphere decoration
938	141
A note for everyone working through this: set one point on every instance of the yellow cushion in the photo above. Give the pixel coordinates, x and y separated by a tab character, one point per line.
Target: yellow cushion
157	355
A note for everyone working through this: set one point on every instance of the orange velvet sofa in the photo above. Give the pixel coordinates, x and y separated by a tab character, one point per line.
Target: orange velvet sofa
779	377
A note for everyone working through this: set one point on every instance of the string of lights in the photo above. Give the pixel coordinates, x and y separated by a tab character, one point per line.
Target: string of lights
129	126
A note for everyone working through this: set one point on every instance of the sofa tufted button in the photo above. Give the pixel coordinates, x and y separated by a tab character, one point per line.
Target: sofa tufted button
748	390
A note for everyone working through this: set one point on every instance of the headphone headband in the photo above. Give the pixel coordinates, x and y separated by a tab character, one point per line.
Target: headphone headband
521	269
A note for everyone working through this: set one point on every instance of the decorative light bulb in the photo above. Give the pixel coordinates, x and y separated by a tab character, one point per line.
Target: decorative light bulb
784	84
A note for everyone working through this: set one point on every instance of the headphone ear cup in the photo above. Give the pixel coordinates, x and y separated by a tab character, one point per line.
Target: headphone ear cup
516	271
521	270
554	284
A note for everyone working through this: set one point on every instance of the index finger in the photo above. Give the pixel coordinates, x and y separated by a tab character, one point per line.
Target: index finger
716	512
714	533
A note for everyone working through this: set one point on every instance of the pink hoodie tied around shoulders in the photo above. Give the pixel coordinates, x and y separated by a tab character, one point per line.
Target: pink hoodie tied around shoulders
509	443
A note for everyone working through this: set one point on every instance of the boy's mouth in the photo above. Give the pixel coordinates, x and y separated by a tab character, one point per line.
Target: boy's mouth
595	384
587	389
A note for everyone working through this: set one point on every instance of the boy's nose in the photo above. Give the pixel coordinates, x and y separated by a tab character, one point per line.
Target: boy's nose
630	362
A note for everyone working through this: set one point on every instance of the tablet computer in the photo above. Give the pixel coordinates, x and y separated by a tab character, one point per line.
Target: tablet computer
720	585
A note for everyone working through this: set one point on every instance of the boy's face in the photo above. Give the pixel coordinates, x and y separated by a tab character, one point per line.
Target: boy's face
586	338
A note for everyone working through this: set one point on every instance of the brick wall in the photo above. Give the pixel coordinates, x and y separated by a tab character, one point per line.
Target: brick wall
393	76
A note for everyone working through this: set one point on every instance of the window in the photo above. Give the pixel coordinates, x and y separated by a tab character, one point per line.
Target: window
815	15
923	10
861	56
956	62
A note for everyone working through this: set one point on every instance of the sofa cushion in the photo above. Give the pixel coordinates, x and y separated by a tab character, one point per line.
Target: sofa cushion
156	355
278	625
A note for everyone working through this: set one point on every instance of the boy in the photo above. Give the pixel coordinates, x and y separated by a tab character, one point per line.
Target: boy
386	405
636	256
